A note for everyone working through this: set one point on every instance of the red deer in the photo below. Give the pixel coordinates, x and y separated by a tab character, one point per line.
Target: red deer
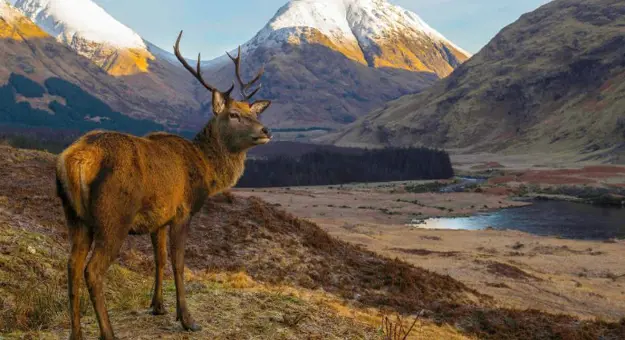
113	184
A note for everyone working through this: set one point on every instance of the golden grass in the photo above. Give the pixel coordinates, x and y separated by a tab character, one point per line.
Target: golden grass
128	62
352	52
19	29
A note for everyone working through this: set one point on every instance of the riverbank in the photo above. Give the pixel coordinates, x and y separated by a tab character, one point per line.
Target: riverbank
590	183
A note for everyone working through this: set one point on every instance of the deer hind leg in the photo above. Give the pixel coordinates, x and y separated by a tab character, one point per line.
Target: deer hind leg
159	244
105	250
80	238
177	238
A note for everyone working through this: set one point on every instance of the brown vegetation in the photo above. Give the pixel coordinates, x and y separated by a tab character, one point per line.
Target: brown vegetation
269	245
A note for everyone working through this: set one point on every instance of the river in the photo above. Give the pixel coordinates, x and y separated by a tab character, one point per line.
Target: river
548	218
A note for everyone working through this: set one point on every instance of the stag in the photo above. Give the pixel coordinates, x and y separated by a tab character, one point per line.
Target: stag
113	184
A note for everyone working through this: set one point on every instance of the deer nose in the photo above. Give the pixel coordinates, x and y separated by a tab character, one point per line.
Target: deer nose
266	132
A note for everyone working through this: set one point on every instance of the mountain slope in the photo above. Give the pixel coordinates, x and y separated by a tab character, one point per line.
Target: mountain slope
552	81
329	62
378	52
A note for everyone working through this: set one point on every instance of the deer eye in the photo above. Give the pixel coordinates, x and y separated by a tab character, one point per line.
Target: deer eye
235	116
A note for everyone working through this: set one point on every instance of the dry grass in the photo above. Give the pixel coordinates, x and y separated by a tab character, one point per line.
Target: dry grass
254	271
33	307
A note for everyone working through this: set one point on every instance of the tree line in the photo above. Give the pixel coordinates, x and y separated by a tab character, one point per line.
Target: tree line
324	167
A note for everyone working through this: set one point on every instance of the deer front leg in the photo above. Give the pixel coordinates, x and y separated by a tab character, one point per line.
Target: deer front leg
177	238
159	244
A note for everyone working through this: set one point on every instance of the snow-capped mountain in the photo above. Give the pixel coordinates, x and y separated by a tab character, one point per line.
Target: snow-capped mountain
69	20
89	30
372	32
378	52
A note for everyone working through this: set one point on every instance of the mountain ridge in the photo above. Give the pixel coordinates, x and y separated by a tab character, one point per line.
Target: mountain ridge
362	30
369	73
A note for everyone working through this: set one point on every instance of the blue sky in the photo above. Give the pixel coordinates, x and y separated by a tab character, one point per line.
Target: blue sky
214	26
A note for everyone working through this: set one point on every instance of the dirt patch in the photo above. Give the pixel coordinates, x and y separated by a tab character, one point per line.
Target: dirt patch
604	169
502	179
507	270
563	250
498	191
425	252
584	176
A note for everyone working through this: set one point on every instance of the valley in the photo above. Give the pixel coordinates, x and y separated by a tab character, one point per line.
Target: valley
582	277
496	202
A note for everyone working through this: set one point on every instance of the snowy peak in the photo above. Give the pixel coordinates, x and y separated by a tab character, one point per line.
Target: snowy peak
70	19
373	32
89	30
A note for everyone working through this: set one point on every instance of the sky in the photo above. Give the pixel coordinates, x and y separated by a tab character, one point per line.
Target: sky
215	26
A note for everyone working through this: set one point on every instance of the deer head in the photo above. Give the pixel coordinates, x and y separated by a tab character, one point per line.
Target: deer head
235	122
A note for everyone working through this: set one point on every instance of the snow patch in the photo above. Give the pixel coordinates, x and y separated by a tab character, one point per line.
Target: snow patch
70	19
8	12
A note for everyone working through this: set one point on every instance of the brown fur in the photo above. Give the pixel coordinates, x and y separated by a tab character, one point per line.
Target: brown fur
114	184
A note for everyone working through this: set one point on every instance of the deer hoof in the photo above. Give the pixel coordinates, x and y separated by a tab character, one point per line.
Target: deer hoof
75	336
193	327
159	310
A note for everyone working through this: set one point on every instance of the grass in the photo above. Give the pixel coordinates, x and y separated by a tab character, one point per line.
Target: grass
228	304
33	307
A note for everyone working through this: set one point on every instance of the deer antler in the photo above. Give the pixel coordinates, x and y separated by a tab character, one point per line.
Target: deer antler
245	86
197	73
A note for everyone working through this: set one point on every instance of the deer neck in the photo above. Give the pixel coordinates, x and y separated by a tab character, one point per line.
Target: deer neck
224	167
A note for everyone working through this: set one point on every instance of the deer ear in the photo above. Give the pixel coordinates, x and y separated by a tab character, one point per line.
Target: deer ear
219	102
259	106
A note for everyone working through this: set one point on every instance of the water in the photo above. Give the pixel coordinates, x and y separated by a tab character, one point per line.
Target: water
548	218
